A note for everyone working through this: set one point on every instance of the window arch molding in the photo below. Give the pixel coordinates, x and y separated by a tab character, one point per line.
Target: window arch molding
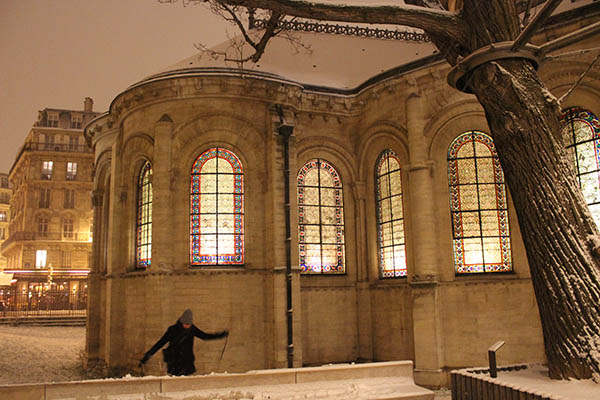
380	138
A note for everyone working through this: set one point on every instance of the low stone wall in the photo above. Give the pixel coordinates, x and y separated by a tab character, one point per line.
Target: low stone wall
476	384
108	388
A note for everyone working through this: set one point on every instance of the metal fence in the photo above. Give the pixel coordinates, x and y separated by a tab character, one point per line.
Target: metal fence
42	303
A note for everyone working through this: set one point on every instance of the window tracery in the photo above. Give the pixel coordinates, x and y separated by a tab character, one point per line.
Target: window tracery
478	206
390	216
144	217
320	219
581	133
217	209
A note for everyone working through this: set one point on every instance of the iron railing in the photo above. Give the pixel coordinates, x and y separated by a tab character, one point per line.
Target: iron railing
42	303
62	147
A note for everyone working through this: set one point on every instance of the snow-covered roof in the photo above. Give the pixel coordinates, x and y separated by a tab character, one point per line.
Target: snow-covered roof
338	62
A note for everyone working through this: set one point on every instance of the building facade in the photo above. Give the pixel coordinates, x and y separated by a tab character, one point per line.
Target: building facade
5	192
357	172
49	240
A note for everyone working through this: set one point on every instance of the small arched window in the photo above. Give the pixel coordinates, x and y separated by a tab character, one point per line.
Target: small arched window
320	219
144	217
217	209
478	206
390	216
581	132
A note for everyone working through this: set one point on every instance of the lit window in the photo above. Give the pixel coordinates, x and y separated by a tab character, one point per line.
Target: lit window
144	217
71	171
581	131
47	169
3	216
478	205
40	258
320	219
390	217
217	209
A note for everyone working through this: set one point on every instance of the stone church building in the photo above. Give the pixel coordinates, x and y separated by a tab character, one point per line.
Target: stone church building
353	170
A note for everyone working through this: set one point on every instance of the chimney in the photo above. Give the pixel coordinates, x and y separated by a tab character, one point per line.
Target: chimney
88	104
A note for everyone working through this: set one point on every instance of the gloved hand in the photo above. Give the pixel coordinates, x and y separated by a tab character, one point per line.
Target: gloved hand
225	333
144	359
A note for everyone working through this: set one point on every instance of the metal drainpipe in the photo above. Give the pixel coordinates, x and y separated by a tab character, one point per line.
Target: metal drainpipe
286	130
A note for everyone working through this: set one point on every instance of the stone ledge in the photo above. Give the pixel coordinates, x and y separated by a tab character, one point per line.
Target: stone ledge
384	380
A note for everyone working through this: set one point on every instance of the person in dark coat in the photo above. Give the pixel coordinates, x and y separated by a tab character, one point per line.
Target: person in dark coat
179	355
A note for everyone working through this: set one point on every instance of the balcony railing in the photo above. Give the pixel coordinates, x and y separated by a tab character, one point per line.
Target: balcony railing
62	147
47	236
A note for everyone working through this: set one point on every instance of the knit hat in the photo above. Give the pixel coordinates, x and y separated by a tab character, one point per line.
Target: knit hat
187	317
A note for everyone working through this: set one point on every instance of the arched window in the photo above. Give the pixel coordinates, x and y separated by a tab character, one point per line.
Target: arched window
478	206
390	216
320	219
144	217
581	131
217	209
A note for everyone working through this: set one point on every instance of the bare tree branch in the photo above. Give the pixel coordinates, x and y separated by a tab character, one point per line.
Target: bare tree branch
566	95
434	21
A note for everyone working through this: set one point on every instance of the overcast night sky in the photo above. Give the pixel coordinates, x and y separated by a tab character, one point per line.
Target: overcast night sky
56	53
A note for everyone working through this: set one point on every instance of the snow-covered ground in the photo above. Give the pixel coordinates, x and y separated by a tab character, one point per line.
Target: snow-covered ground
32	354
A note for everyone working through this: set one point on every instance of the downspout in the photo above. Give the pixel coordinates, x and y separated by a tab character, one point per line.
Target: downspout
286	130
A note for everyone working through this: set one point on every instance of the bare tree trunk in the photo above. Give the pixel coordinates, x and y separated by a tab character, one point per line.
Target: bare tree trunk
559	233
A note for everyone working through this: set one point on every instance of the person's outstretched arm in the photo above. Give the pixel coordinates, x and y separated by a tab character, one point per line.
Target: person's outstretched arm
208	336
161	342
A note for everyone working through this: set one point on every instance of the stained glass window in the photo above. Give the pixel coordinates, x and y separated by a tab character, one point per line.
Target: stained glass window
478	206
144	217
581	131
320	219
217	209
390	216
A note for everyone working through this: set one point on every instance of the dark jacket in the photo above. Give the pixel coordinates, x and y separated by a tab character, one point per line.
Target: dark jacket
181	347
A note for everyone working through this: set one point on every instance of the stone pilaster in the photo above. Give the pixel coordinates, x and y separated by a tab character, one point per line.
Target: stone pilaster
423	277
162	216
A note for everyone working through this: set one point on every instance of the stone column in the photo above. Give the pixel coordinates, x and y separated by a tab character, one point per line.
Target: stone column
423	277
